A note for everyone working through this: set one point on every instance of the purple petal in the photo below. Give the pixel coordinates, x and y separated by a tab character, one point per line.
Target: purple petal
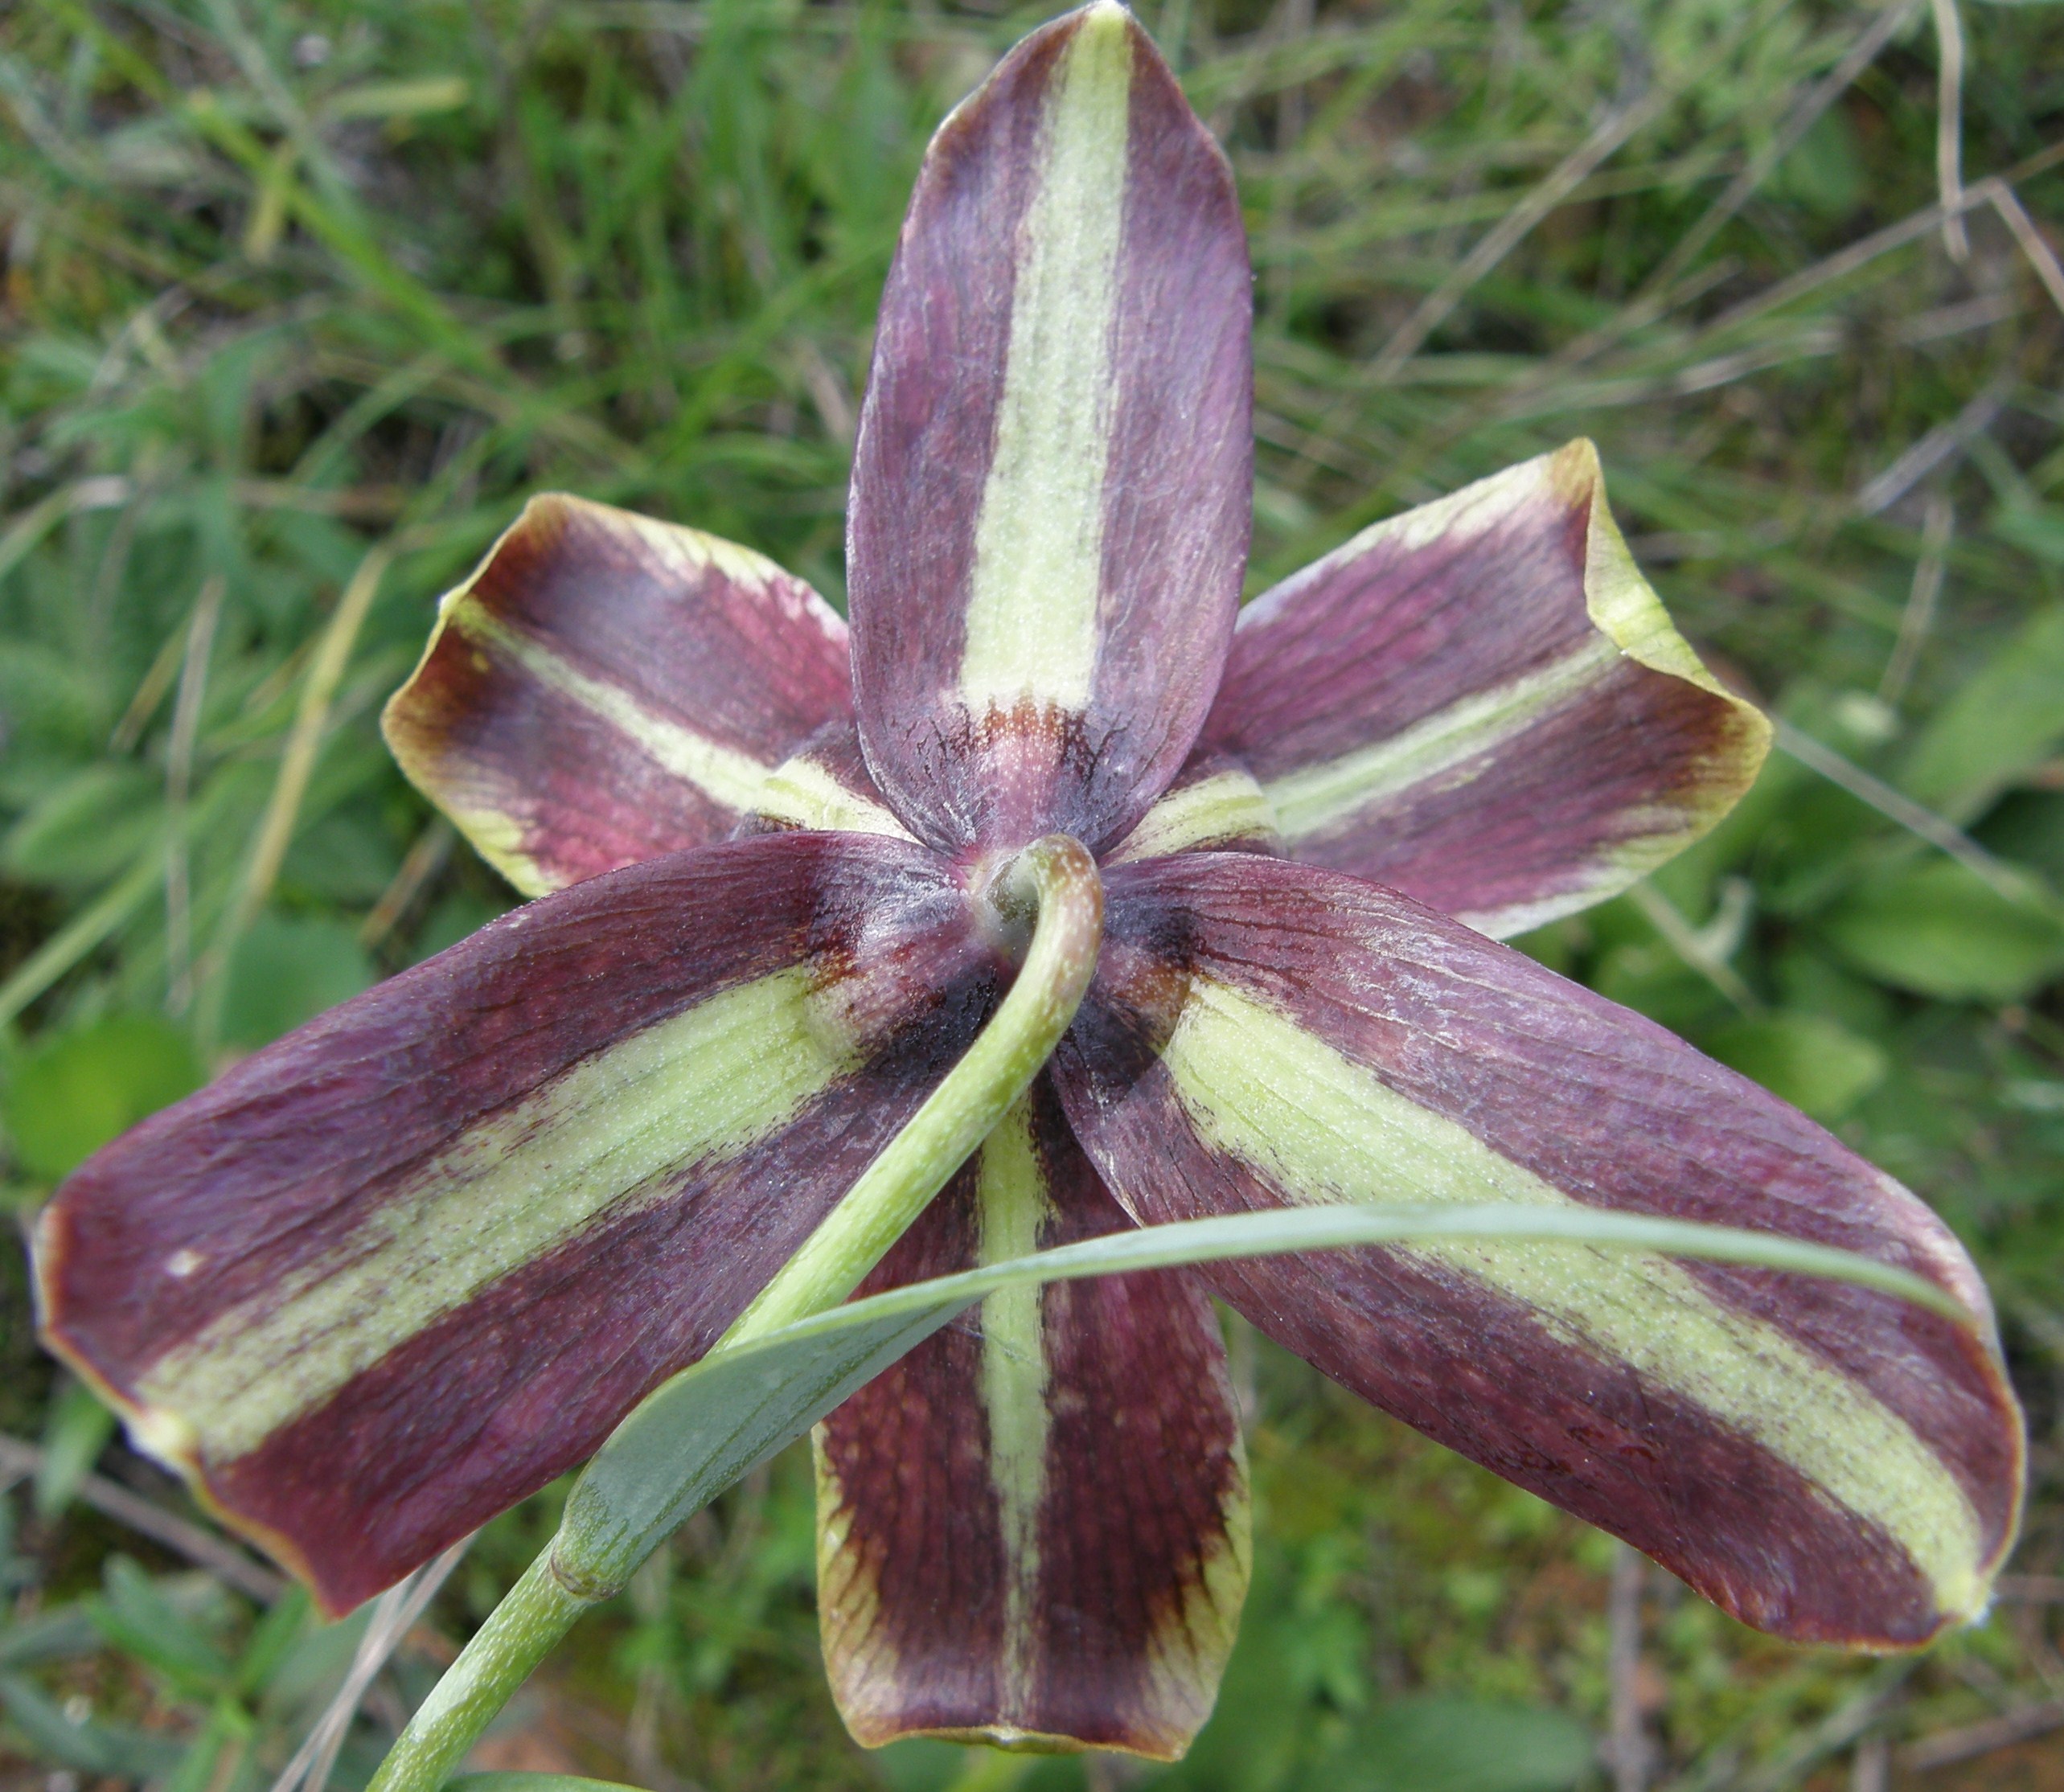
1051	487
1825	1462
1482	704
1033	1529
606	688
393	1273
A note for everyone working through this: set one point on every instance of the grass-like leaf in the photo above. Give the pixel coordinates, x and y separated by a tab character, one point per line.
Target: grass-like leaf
698	1432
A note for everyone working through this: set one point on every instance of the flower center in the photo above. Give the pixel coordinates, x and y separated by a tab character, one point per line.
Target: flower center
1006	891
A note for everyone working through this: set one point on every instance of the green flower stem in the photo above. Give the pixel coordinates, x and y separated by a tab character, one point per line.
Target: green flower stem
519	1633
1054	879
1049	897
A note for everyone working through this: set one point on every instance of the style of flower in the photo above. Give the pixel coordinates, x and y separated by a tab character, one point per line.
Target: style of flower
402	1269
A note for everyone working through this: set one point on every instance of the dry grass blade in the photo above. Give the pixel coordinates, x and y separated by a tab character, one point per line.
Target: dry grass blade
275	833
1629	1743
1918	621
2006	881
394	1615
1687	942
1946	1747
222	1559
1937	446
1949	127
2006	202
178	781
1860	55
1611	132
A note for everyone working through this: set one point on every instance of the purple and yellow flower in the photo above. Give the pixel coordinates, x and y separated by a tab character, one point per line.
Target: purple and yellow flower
404	1267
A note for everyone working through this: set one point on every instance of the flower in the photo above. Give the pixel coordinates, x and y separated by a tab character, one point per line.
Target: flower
405	1266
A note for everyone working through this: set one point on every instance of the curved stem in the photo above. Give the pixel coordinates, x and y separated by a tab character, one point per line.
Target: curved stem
1053	885
1054	882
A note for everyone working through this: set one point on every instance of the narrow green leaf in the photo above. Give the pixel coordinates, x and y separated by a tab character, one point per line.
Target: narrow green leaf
62	1634
75	1433
136	1617
697	1433
272	1640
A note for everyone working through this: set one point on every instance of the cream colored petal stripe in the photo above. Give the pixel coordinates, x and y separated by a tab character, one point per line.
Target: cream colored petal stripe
727	777
1227	805
1031	619
1014	1206
1316	797
1319	1127
804	794
600	1141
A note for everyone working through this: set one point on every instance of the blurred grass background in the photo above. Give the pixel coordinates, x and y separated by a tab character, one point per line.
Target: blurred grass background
301	299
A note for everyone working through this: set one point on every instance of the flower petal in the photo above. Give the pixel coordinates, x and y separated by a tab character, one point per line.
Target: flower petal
825	783
390	1275
1824	1461
1050	488
606	688
1481	703
1033	1529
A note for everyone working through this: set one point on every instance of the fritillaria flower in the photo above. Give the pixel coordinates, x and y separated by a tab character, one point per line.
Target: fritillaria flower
397	1271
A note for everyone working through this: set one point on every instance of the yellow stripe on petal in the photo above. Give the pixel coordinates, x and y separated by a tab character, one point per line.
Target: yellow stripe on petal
1032	610
604	1139
1319	1127
801	793
724	774
1226	807
1013	1208
1314	798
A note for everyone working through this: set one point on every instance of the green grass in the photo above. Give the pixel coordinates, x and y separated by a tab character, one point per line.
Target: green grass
290	286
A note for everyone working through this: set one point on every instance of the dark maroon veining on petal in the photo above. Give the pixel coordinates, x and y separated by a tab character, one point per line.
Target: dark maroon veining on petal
281	1174
678	631
1530	821
1142	1466
525	1381
1174	502
1613	1111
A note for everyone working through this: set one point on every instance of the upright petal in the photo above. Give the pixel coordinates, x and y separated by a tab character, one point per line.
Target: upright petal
606	688
1033	1529
1050	495
1481	703
1825	1462
390	1275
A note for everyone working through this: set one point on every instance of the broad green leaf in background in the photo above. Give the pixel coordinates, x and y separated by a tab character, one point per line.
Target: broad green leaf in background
1935	929
69	1093
2006	718
2027	827
1435	1743
1807	1059
287	969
